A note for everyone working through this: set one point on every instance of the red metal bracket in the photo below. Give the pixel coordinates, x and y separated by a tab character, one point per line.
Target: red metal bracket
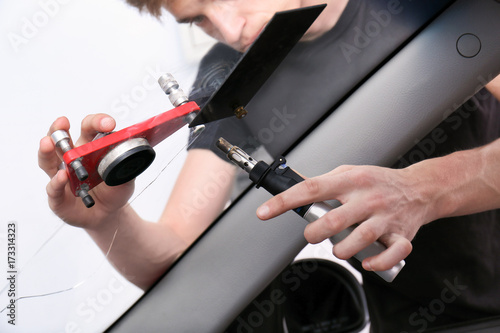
155	130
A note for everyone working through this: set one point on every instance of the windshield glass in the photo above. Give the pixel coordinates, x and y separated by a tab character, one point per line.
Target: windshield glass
73	59
79	58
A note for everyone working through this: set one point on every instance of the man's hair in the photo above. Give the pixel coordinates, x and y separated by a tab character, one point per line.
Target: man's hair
152	6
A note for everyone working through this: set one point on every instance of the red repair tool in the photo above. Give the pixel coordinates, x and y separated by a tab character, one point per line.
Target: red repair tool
119	157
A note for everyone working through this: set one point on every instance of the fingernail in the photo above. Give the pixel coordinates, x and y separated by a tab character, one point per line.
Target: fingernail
368	266
107	122
263	211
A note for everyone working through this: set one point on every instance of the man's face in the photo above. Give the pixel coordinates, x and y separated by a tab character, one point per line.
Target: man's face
236	23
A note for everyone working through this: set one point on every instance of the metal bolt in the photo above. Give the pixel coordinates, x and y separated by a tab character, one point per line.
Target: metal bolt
171	87
61	140
240	112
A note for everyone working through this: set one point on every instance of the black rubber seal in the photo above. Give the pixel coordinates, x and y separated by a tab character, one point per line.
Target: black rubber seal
128	165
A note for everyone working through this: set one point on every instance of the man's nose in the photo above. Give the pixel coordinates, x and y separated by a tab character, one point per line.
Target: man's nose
228	25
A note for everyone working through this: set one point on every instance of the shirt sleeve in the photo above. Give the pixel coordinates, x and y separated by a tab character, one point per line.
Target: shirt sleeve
213	70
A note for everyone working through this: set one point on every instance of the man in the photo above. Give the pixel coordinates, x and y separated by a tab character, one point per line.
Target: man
143	250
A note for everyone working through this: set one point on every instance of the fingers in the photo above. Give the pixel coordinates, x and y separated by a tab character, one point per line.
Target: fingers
56	189
48	160
61	123
48	156
93	124
398	249
333	222
325	187
362	236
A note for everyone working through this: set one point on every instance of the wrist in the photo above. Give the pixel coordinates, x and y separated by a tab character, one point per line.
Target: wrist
455	184
109	220
433	181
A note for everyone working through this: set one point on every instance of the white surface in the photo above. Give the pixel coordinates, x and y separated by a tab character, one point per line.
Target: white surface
73	58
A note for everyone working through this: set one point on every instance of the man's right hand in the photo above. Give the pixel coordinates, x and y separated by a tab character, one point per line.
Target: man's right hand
108	200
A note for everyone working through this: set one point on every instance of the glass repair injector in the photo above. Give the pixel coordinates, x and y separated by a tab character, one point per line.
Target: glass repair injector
278	177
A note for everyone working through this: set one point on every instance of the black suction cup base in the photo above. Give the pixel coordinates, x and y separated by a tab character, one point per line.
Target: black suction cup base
128	165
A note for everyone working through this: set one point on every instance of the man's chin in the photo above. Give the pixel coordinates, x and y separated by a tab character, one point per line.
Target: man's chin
238	47
312	35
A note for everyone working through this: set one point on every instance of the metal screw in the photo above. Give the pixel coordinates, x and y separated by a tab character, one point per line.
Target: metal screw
240	112
61	140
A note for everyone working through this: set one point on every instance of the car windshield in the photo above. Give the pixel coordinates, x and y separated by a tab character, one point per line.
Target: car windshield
77	58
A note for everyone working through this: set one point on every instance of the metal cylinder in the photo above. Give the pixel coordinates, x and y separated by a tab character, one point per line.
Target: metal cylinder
87	199
61	141
171	87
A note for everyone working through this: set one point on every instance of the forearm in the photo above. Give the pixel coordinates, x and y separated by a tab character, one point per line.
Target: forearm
461	183
141	251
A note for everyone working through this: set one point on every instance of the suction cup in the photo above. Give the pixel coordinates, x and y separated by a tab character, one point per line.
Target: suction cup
126	161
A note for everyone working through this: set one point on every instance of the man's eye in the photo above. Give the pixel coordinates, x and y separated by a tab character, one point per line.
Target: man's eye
194	20
197	20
